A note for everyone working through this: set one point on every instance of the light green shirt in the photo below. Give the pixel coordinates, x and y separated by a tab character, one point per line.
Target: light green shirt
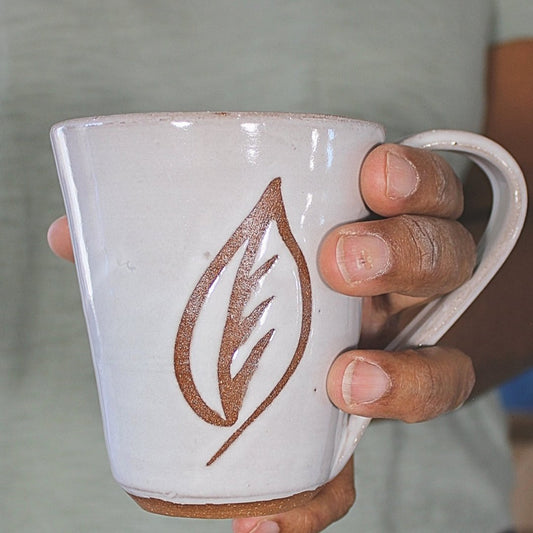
413	65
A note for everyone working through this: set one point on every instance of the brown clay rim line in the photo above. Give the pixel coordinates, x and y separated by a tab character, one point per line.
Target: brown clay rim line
224	510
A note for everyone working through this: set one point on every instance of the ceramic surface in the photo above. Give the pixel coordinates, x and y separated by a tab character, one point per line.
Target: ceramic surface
195	237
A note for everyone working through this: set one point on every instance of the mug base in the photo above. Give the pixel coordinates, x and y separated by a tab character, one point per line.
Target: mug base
224	510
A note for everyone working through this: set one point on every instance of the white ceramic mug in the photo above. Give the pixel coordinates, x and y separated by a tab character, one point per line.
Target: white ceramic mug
195	237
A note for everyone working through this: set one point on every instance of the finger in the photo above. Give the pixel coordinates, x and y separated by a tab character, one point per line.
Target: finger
59	239
332	502
411	385
412	255
398	179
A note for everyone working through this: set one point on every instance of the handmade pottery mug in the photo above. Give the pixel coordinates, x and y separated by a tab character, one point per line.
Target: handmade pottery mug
195	237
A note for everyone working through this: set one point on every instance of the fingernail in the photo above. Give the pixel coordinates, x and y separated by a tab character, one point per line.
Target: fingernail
401	175
266	527
362	257
364	382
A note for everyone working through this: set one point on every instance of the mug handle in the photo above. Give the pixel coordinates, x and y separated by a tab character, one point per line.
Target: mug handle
505	223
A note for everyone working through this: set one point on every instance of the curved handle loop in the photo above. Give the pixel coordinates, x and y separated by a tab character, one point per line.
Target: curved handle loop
504	226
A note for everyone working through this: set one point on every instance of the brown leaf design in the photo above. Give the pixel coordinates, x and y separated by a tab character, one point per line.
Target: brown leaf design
238	327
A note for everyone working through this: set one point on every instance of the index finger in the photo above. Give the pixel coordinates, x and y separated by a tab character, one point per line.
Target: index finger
397	179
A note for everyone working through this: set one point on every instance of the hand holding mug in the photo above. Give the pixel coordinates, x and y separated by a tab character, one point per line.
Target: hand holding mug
417	252
410	385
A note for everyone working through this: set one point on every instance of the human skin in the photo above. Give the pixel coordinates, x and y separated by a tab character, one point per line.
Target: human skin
417	193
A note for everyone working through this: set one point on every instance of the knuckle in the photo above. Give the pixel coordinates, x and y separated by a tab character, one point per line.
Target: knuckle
437	255
439	175
420	246
448	196
466	378
425	242
424	390
442	382
431	392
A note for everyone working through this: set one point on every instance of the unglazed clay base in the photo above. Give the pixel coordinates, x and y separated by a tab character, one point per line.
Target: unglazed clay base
224	510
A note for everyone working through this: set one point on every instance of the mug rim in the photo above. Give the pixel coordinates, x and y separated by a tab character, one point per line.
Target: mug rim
183	116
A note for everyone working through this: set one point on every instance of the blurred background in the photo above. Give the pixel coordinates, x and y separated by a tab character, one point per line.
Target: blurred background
517	397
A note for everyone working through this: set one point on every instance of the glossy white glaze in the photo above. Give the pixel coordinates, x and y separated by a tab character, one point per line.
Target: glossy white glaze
151	200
